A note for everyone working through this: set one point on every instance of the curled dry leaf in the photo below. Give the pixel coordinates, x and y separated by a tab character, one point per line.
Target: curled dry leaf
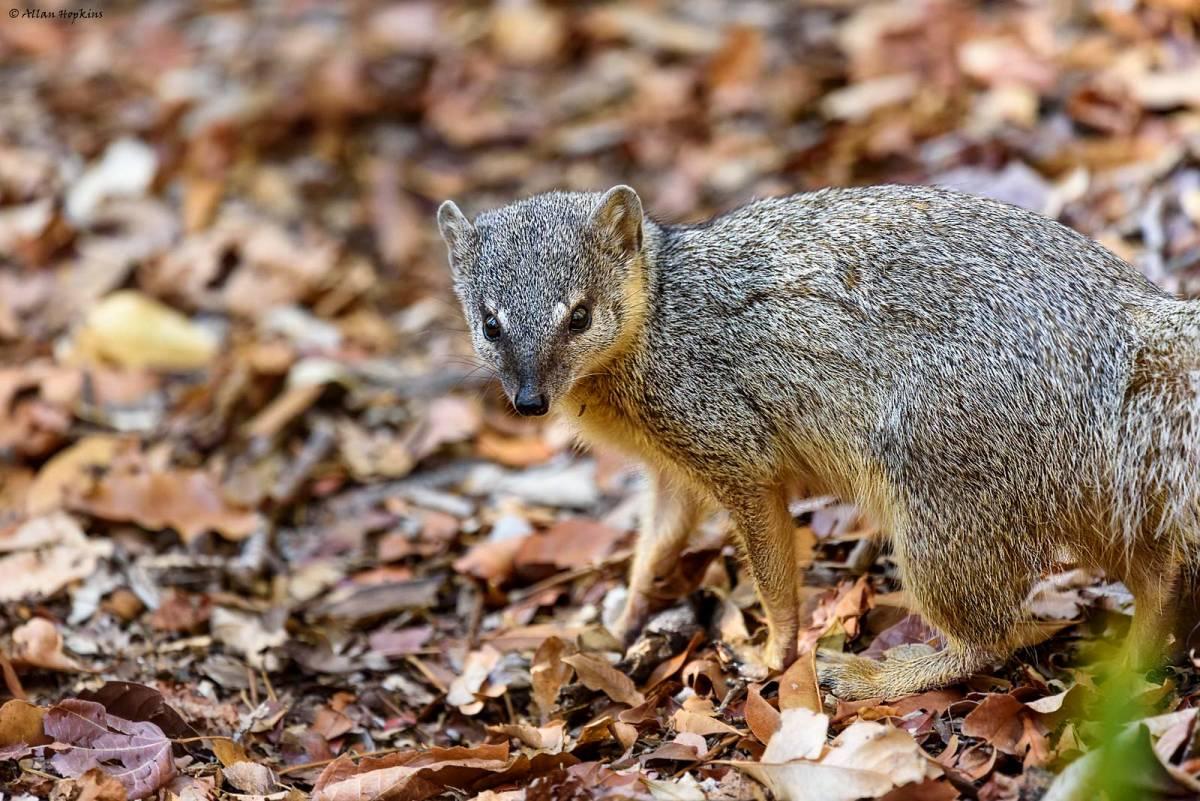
38	644
798	687
21	724
189	501
1009	725
867	760
410	775
130	329
697	716
571	543
545	738
762	718
137	702
254	637
597	674
548	673
48	554
468	684
250	777
136	754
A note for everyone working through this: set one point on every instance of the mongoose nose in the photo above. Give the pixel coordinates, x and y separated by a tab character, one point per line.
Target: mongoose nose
531	403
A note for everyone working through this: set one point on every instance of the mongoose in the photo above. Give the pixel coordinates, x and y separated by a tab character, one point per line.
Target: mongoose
991	387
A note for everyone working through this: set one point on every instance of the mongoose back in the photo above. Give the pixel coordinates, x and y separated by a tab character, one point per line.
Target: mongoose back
991	387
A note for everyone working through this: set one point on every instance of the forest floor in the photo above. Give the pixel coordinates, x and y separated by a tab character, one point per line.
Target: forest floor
267	532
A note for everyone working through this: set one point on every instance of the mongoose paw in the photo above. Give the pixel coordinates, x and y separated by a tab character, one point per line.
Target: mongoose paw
849	677
779	653
631	622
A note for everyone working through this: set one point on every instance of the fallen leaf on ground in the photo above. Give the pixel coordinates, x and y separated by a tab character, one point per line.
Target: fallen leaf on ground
762	718
548	673
867	760
137	702
798	687
21	724
48	553
130	329
255	637
250	777
570	543
1007	724
136	754
189	501
411	775
39	644
597	674
467	685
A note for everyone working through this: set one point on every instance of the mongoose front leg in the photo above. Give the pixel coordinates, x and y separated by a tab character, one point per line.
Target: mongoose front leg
767	535
670	512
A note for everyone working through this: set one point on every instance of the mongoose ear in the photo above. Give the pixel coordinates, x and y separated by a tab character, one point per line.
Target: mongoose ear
618	218
457	232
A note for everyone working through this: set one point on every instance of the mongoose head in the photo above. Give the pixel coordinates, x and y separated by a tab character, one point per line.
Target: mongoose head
550	287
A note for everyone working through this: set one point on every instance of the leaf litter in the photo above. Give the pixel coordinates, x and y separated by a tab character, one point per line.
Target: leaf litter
269	530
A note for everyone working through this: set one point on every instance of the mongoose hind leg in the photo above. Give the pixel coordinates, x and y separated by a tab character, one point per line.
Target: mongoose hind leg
671	510
973	596
1157	612
767	535
1187	613
853	678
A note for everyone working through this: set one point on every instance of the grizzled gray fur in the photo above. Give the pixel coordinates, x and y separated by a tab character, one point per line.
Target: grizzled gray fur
997	391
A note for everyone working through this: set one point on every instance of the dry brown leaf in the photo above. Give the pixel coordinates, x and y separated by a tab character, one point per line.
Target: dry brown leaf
699	718
250	777
189	501
130	329
256	637
447	420
96	785
548	673
228	752
50	553
867	760
491	559
373	454
38	644
798	686
762	718
571	543
597	674
21	723
1008	725
513	451
545	738
72	470
412	775
468	684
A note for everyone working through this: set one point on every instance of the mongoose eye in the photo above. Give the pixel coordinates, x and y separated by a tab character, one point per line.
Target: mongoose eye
581	318
491	327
